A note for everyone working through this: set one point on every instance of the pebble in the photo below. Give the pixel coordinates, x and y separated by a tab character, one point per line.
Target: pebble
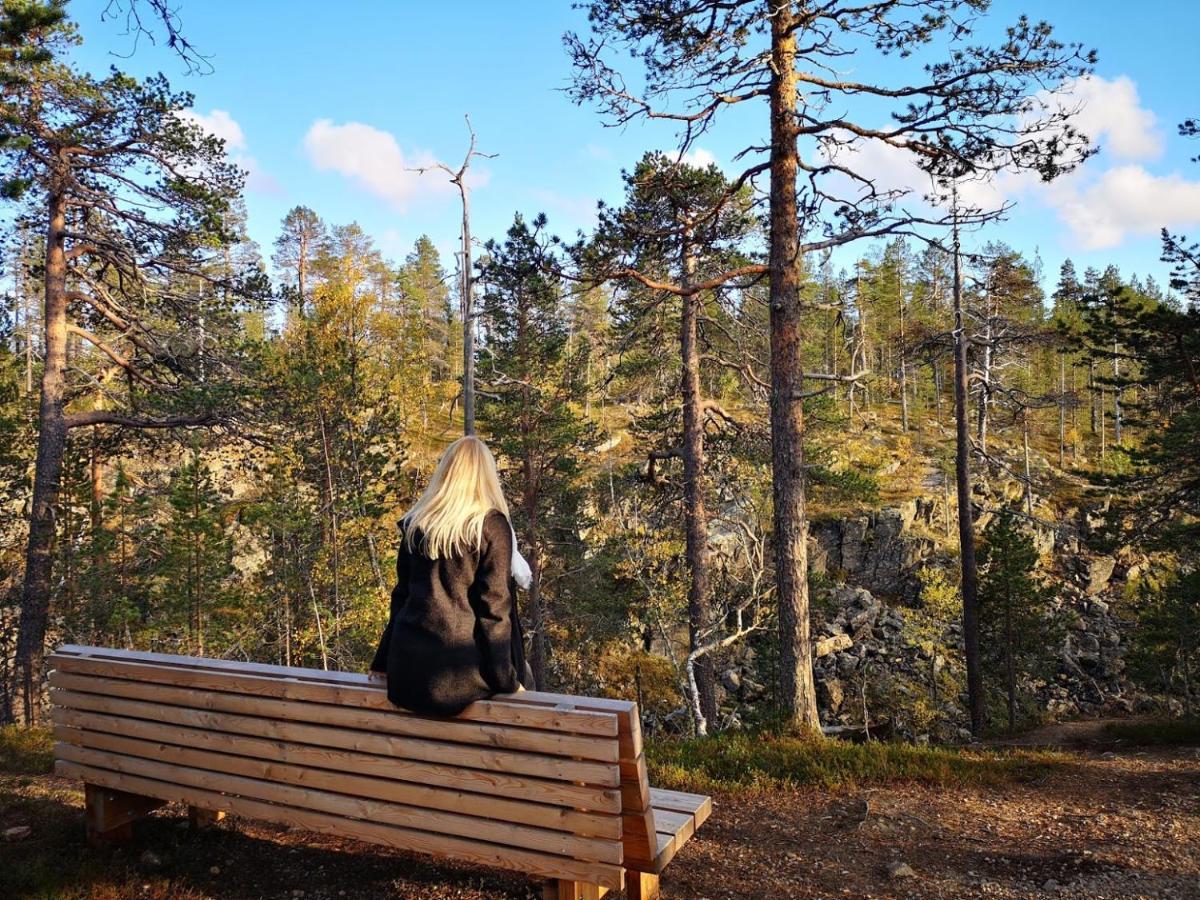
214	870
900	870
16	833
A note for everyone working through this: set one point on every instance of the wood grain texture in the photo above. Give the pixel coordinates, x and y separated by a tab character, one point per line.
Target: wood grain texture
340	688
477	852
483	781
540	815
539	765
383	722
451	824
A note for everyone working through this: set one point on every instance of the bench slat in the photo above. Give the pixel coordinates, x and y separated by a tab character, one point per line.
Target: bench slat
540	815
538	765
465	826
484	781
478	852
547	742
347	689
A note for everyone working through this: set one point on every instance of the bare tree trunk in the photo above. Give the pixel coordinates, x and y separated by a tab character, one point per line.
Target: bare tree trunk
1028	471
1062	410
903	368
797	689
985	389
468	316
52	442
1116	398
695	516
966	524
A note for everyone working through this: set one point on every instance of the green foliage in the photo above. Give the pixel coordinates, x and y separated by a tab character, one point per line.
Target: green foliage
1018	629
769	760
1166	653
26	751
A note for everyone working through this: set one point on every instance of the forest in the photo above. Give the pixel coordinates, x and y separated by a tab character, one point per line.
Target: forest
791	451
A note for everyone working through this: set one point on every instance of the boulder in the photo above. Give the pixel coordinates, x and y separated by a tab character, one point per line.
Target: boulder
833	644
1099	571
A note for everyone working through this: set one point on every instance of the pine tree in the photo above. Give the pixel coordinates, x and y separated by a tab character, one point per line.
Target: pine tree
1016	624
535	386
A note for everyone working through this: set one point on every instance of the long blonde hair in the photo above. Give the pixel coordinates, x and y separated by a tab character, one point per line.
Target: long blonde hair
464	488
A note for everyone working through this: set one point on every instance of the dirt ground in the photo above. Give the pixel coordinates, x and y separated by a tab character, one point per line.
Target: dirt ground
1122	823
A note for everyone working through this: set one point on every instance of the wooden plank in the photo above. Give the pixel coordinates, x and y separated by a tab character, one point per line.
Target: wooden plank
641	886
547	742
435	821
526	813
482	781
477	852
680	824
696	804
629	719
539	765
282	682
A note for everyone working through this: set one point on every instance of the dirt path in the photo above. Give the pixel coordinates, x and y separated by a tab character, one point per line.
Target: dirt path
1124	825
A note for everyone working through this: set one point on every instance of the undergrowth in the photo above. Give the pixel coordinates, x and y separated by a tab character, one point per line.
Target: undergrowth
765	760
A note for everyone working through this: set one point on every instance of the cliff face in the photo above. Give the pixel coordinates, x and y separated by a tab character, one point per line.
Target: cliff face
878	551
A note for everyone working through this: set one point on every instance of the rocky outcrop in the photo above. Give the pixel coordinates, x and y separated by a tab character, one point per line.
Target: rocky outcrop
877	551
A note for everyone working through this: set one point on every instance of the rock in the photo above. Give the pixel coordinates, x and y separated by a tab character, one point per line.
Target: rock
214	870
831	694
833	644
897	870
150	859
16	833
1099	571
732	680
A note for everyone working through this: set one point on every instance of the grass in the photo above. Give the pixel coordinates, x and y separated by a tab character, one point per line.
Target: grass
1169	732
26	751
766	760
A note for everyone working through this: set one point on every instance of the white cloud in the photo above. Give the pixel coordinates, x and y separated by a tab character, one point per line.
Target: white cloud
1122	202
1109	112
220	124
373	159
699	158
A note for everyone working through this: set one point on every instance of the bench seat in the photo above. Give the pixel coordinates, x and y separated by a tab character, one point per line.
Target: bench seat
550	785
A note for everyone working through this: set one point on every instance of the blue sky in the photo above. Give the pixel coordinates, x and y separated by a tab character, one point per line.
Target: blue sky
326	104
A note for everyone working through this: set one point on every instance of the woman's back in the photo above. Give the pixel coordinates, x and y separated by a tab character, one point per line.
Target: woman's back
454	635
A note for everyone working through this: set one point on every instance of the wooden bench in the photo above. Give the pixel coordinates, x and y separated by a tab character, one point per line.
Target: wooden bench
547	784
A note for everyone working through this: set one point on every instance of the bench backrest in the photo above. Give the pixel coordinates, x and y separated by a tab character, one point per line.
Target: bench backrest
546	784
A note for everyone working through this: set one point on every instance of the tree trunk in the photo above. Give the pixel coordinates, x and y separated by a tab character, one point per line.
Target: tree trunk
797	690
52	442
695	516
1116	398
985	389
468	314
966	524
903	374
1062	410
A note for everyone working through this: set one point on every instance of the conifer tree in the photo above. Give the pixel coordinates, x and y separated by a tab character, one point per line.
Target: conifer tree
534	382
1015	619
131	196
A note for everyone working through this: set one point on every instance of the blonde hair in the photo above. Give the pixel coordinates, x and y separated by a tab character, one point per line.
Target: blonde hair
464	488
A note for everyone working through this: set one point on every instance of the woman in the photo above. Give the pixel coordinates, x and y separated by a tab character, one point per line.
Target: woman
454	636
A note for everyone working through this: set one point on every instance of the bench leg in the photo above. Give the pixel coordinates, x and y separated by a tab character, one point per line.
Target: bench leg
641	885
110	813
573	890
199	819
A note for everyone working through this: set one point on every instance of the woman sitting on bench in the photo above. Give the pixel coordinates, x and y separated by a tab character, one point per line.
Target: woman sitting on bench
454	636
